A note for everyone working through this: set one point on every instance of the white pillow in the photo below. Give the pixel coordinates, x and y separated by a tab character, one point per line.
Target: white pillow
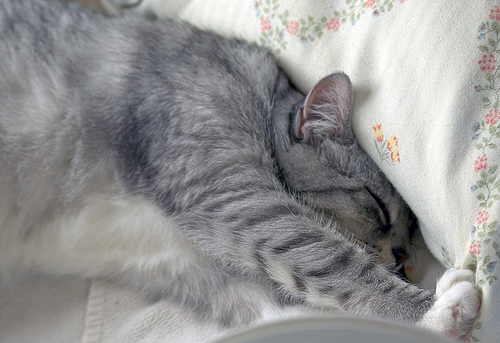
426	76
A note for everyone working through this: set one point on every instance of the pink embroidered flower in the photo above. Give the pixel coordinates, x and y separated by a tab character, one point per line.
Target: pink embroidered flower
493	117
482	217
333	24
488	63
495	13
370	3
401	1
265	24
481	163
475	248
293	27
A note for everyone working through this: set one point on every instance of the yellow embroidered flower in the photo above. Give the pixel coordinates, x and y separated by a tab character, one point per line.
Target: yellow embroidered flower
392	142
395	156
379	134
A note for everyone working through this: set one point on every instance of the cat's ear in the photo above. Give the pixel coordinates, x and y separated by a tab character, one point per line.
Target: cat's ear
326	113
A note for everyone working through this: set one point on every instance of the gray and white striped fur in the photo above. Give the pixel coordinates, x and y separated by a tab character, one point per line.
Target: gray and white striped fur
186	165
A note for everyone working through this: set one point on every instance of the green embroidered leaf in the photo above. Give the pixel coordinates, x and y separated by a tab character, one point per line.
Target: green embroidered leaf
474	339
484	48
479	146
490	204
481	197
389	8
494	168
492	42
495	27
490	76
478	325
487	241
323	20
492	226
481	282
336	13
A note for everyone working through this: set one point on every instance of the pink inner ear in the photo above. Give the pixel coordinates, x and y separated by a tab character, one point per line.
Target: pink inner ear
327	110
303	120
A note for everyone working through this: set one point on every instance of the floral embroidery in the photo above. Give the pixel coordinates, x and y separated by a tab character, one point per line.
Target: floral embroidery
487	187
492	117
356	8
388	150
293	27
488	62
333	24
278	27
481	163
490	33
485	245
475	248
495	13
379	134
265	24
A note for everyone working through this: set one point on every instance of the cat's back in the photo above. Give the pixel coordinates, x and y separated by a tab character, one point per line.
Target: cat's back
80	92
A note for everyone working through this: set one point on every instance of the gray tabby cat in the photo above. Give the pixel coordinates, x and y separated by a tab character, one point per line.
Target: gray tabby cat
186	165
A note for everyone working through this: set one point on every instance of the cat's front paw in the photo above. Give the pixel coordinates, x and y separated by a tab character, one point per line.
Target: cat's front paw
457	304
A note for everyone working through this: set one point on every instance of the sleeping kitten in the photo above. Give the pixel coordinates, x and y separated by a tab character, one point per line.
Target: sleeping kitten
187	166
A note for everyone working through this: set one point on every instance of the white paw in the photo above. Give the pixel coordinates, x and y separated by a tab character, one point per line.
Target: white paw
457	304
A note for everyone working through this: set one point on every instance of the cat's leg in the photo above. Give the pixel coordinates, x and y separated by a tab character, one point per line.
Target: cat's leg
457	304
311	264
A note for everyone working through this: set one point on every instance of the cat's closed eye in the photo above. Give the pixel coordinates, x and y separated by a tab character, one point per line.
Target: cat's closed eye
385	215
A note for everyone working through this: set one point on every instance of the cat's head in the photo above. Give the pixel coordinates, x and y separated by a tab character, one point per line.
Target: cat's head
322	164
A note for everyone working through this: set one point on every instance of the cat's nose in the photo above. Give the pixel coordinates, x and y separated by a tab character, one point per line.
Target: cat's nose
400	255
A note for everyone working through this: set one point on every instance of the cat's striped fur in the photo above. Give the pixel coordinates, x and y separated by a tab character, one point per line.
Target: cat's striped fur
187	166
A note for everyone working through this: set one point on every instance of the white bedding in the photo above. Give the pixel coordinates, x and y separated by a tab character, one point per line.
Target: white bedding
426	109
